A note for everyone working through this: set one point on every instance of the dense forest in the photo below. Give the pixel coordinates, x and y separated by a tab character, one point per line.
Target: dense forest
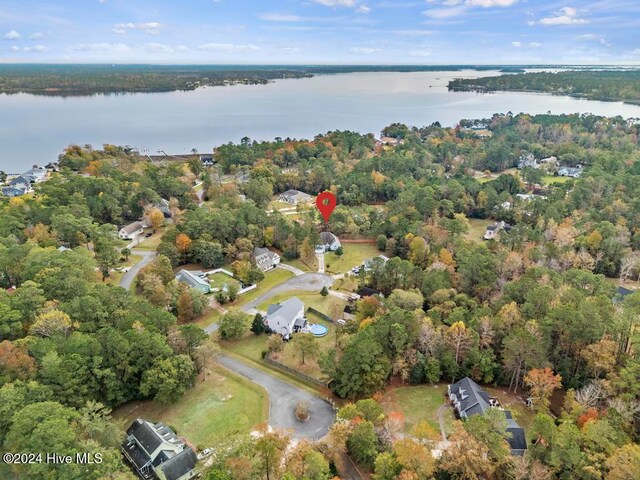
615	85
534	310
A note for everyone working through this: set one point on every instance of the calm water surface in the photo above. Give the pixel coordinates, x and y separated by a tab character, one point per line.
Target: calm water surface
35	129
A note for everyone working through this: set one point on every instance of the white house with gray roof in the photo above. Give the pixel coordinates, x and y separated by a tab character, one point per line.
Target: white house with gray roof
265	259
295	197
286	318
131	231
328	242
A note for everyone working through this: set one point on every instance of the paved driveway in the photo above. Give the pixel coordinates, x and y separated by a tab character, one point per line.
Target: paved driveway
283	398
127	279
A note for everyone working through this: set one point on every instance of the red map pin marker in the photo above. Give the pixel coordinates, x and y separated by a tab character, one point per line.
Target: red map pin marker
326	202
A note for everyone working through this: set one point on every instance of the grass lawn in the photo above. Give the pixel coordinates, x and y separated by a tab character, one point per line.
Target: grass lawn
278	205
420	403
219	280
354	255
223	405
272	278
209	317
477	227
549	179
151	243
303	266
327	305
290	358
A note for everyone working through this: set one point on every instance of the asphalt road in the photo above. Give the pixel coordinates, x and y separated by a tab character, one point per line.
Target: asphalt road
283	398
129	277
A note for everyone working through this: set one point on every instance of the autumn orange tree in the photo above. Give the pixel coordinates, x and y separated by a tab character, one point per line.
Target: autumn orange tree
542	382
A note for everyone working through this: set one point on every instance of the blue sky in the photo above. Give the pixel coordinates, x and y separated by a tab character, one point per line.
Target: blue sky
321	31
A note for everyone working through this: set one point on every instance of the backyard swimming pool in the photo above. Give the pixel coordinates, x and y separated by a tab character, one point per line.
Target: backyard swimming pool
318	330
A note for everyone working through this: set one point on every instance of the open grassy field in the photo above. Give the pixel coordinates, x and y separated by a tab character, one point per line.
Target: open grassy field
219	280
305	267
477	227
272	278
278	205
354	255
549	179
420	403
290	358
213	410
151	243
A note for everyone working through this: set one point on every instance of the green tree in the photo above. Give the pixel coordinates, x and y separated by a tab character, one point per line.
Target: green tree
233	325
363	444
168	379
257	326
305	346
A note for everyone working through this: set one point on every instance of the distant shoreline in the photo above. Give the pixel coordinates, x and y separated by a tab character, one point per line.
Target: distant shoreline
61	80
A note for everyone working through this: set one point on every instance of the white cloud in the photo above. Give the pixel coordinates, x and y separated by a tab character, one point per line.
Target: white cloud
336	3
535	44
363	50
12	35
516	44
439	13
157	48
228	48
281	17
490	3
564	16
14	48
36	36
363	9
102	47
150	28
36	48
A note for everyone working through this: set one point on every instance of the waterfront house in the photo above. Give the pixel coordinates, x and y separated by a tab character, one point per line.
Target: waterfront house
194	280
206	159
156	452
286	318
13	191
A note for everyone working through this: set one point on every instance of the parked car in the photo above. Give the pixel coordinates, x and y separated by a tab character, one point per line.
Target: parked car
341	322
148	234
205	453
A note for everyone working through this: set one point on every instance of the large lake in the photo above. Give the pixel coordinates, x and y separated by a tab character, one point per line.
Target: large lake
35	129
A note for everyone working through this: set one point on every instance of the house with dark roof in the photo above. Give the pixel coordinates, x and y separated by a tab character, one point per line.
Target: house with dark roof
294	197
286	318
265	259
156	452
468	399
328	242
194	280
206	159
131	231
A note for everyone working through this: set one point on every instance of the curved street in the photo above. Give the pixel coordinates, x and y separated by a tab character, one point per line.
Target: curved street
130	275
